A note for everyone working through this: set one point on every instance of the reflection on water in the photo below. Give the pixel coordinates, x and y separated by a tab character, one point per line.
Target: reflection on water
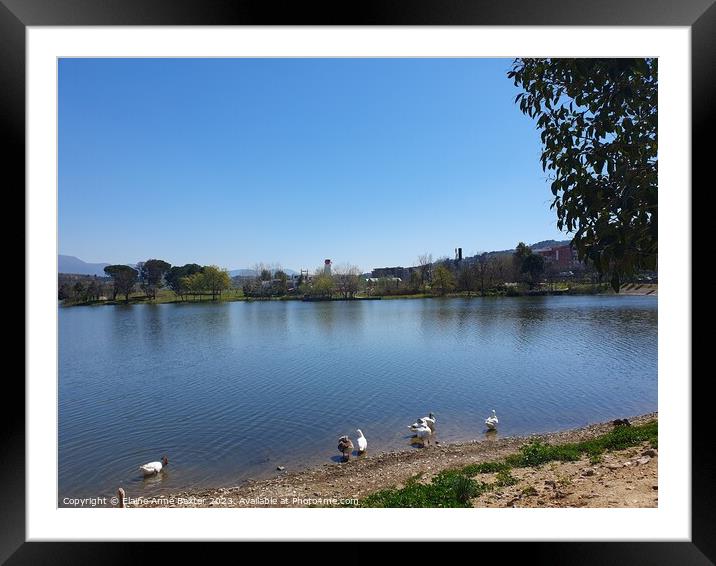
231	391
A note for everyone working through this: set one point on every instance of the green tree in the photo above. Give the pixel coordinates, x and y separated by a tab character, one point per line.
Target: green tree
79	291
194	284
176	277
124	278
64	291
281	286
151	276
599	133
443	279
322	284
216	280
522	250
533	265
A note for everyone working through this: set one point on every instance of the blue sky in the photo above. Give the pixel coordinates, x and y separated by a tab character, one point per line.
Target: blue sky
289	161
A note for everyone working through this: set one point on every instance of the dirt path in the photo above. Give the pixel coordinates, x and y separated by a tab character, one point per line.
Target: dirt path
609	484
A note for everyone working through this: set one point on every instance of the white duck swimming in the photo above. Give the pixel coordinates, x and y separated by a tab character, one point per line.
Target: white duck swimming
428	421
492	421
362	442
153	468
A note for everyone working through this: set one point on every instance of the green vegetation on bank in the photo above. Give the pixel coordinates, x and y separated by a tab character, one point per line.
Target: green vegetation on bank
165	296
162	296
456	487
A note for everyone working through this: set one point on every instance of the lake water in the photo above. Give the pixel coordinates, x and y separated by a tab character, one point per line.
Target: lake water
230	391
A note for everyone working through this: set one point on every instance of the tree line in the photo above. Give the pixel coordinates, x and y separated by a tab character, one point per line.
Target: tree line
484	274
343	281
190	280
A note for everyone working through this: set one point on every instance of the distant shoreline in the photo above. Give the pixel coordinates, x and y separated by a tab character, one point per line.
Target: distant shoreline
649	289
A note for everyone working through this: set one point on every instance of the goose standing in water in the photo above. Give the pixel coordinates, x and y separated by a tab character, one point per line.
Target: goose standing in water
345	446
492	421
424	433
153	468
428	421
362	442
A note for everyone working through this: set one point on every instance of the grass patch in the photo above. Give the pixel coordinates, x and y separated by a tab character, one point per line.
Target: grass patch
538	453
163	296
595	458
505	478
456	487
484	468
450	488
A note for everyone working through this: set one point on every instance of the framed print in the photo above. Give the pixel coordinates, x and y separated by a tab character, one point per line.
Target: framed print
223	342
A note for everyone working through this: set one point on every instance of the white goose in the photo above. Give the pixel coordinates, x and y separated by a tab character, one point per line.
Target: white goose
153	468
428	421
424	433
362	442
492	421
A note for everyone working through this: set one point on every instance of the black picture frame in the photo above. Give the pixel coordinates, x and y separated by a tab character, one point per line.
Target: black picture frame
699	15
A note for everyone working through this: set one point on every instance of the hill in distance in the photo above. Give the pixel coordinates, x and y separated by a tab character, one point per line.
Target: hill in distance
549	243
536	246
74	265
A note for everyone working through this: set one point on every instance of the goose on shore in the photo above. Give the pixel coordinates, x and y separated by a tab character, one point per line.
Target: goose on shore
153	468
345	446
492	421
362	442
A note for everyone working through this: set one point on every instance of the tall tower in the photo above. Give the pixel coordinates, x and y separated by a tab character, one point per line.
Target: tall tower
327	267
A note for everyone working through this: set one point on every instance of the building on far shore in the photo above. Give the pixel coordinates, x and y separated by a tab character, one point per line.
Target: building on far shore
392	272
327	267
561	256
